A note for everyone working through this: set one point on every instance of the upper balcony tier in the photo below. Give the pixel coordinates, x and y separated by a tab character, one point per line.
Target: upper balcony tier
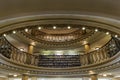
47	38
102	54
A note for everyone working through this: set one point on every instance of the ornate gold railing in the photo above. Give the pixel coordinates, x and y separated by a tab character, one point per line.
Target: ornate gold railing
13	53
60	61
107	51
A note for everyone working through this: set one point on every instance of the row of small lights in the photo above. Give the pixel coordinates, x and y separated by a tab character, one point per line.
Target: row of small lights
54	27
105	75
69	27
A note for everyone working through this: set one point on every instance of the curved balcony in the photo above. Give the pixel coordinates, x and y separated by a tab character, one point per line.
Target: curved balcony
60	61
57	37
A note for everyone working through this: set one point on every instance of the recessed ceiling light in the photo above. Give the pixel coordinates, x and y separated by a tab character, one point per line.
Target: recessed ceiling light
21	49
97	48
96	30
15	75
116	36
26	30
33	43
14	32
107	33
39	28
4	35
83	28
91	72
68	27
85	42
54	27
104	75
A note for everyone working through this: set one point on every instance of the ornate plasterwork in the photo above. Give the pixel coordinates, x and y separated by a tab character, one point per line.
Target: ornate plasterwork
89	20
98	66
67	39
107	65
81	20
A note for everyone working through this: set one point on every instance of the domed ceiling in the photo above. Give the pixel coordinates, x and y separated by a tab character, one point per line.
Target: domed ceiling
58	37
56	16
47	39
105	12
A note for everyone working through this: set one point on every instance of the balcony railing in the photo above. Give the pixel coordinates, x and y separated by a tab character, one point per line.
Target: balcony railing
60	61
13	53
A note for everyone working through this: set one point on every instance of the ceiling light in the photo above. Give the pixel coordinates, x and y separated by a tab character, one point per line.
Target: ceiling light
68	27
33	43
21	49
96	30
39	28
104	75
91	72
54	27
4	35
14	32
83	28
97	48
15	75
58	52
85	42
116	36
26	30
107	33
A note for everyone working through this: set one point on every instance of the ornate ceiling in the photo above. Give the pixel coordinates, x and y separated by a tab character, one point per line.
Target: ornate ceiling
16	14
63	38
58	38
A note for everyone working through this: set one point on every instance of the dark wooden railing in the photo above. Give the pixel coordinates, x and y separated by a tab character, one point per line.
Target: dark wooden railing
59	61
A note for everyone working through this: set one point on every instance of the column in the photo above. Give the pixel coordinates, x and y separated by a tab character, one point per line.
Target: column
24	77
87	48
94	77
30	49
